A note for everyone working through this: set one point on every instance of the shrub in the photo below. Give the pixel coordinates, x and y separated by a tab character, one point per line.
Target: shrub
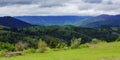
75	43
2	52
61	45
20	46
42	46
84	46
6	46
118	39
48	49
95	41
31	50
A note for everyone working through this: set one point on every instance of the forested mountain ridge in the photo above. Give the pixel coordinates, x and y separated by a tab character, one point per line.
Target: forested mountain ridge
13	22
56	34
98	21
81	21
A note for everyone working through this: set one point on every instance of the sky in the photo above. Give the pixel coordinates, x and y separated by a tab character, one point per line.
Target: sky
59	7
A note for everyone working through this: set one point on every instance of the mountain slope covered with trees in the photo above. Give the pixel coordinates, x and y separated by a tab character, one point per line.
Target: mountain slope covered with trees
13	22
98	21
56	34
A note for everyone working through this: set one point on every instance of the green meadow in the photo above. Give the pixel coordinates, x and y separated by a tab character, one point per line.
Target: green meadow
101	51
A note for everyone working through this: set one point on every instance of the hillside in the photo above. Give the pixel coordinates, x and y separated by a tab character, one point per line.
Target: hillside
51	20
56	34
98	21
13	22
106	48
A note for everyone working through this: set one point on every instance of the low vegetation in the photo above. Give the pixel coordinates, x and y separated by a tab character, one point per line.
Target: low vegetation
102	52
75	43
20	46
42	46
11	54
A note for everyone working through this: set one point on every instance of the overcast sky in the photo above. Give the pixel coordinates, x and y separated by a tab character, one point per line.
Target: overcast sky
59	7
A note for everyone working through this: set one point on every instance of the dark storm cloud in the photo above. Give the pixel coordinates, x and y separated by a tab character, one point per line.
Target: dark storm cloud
92	1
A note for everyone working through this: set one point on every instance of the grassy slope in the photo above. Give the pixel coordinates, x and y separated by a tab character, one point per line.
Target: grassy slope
104	51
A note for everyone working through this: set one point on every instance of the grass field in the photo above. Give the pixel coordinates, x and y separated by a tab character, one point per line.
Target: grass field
103	51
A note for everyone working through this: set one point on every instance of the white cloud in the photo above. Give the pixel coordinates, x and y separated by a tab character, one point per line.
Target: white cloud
60	7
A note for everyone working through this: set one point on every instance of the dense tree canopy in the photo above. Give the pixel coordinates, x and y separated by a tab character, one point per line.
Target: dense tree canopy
56	34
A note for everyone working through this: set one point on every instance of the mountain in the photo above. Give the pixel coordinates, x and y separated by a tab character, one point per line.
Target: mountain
98	21
13	22
51	20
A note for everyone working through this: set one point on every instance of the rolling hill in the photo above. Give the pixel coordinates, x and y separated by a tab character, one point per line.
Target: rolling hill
13	22
98	21
51	20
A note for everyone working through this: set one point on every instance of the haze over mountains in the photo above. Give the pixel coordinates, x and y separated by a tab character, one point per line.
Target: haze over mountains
51	20
82	21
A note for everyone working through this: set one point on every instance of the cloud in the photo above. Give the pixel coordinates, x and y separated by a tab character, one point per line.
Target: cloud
59	7
16	2
51	5
92	1
26	2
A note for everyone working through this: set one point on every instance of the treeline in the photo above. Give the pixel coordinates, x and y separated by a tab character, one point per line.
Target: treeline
54	35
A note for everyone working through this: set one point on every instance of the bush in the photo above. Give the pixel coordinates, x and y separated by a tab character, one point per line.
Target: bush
20	46
61	45
95	41
42	46
48	49
84	46
6	46
75	43
118	39
2	52
31	50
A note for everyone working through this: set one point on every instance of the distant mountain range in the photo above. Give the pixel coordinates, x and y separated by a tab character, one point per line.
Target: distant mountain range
13	22
51	20
83	21
98	21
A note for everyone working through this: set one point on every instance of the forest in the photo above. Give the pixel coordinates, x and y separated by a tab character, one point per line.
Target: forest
53	35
